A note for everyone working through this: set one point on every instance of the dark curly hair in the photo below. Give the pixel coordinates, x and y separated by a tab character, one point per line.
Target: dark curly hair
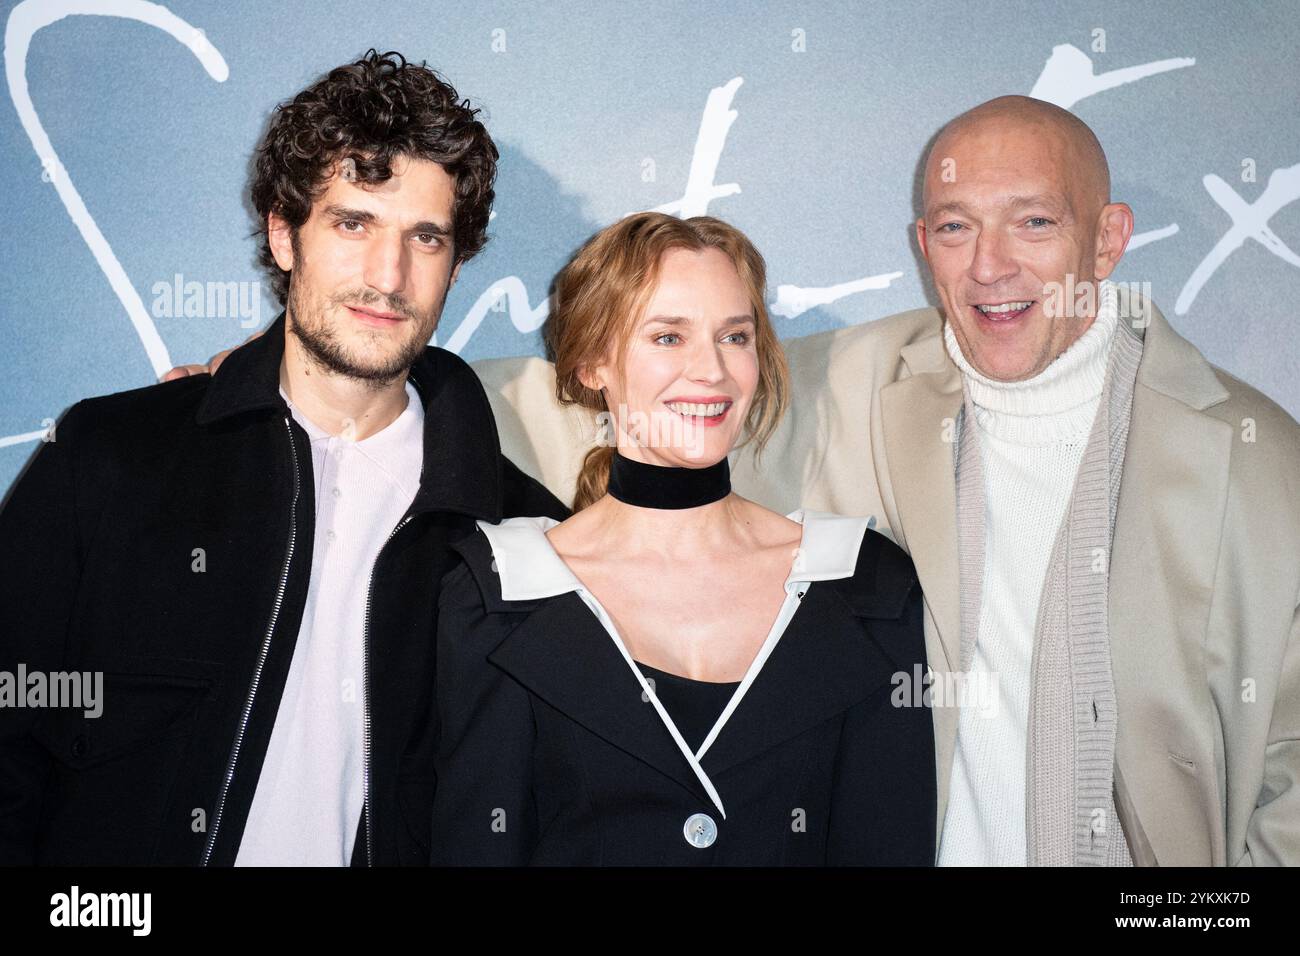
372	111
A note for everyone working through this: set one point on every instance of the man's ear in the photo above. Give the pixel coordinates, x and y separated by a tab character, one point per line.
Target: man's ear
280	237
920	238
455	272
1114	227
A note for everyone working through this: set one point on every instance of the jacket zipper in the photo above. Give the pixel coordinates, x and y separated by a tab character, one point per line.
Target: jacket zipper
261	657
365	690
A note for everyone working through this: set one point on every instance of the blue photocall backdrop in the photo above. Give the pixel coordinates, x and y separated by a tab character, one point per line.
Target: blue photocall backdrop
129	127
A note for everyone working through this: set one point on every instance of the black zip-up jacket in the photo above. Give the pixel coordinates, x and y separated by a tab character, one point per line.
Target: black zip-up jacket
164	538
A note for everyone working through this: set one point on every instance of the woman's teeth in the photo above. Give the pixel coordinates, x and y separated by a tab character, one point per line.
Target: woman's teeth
712	410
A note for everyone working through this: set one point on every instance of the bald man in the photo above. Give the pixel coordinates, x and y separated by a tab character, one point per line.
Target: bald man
1107	528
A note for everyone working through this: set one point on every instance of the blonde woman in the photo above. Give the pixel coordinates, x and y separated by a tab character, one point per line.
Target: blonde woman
676	675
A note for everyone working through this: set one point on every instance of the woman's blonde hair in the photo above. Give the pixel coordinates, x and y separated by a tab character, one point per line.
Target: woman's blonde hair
599	300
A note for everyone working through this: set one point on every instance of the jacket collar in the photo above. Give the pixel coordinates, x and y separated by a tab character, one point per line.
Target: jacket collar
530	569
827	661
462	453
1170	364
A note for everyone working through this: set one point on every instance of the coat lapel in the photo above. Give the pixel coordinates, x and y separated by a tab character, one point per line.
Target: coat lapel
920	427
822	665
919	424
601	693
1173	496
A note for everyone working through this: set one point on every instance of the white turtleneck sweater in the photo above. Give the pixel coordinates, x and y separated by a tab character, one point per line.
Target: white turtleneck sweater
1032	436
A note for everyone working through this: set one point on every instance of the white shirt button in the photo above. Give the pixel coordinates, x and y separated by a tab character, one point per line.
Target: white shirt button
330	535
700	830
337	493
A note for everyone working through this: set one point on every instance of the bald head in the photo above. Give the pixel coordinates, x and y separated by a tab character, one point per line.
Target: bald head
1017	211
1066	138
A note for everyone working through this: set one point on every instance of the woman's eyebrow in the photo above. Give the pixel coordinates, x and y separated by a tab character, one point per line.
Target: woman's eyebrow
683	320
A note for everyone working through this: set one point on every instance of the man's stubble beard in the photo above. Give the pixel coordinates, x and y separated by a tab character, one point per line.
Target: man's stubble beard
324	350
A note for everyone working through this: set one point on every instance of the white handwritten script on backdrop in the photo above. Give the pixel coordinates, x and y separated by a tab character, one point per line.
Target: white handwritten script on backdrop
1068	76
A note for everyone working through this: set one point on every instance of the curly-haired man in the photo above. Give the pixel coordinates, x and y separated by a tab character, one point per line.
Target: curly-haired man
251	560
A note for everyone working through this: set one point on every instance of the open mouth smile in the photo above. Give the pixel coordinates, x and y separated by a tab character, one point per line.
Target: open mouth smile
705	413
1001	313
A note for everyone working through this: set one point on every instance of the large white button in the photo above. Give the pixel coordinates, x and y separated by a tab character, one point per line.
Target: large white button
700	830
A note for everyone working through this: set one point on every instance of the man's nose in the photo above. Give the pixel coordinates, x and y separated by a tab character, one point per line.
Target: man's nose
992	261
386	264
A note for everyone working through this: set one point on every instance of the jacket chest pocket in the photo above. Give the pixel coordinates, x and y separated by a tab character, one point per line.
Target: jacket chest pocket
133	711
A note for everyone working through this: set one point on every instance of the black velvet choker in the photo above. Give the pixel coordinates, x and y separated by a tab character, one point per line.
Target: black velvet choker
661	486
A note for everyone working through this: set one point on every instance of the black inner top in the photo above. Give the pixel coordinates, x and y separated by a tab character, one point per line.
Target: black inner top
694	705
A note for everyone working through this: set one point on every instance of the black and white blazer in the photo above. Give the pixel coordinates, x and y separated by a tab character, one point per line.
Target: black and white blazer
553	748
